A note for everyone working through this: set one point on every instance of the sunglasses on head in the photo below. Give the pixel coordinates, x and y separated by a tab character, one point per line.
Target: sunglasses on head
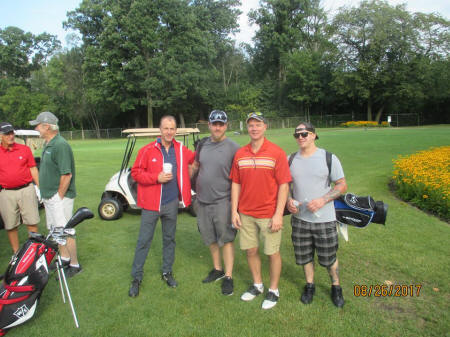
218	116
302	134
257	113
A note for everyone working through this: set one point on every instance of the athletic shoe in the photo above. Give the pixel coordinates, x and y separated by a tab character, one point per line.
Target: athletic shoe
308	293
336	296
214	275
65	264
72	271
250	294
134	289
169	280
227	286
270	301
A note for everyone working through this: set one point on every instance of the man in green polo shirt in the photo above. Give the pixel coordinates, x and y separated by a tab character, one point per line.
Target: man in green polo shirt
57	184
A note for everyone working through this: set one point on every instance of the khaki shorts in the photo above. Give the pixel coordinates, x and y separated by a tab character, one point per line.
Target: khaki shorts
254	229
16	204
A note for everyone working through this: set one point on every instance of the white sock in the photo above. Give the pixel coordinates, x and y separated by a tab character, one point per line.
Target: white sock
259	286
75	265
276	292
65	259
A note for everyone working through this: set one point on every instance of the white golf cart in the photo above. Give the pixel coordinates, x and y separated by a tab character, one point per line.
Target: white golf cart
121	190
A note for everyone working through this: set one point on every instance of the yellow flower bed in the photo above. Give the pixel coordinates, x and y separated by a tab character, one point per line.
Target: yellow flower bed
424	179
365	124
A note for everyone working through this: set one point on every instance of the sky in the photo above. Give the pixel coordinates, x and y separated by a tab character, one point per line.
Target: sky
38	16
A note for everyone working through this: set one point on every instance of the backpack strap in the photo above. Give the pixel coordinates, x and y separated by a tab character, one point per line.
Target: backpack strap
199	146
291	158
328	157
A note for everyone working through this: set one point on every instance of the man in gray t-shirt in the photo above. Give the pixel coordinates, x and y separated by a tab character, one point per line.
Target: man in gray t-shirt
314	218
213	187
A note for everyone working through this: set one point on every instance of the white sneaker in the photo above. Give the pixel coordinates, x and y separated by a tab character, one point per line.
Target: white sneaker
270	301
250	294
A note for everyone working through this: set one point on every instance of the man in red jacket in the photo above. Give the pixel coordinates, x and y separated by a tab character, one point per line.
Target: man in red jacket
161	170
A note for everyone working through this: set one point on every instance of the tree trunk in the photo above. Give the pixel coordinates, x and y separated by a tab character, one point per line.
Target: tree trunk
379	114
369	109
149	109
181	117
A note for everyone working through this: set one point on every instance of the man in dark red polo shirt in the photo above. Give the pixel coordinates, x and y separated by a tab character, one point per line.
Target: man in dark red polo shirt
17	196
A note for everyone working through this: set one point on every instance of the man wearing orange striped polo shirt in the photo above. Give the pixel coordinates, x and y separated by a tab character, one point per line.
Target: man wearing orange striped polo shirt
260	183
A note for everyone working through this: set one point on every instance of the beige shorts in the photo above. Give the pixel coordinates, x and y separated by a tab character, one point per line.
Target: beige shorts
58	211
254	229
16	204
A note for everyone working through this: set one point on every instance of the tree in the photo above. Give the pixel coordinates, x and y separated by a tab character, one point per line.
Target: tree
379	45
288	30
151	54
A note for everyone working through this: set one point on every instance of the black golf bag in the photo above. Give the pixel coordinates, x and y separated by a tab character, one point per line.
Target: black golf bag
360	211
23	282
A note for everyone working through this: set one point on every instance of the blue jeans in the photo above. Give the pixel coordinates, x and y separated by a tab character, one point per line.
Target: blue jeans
149	219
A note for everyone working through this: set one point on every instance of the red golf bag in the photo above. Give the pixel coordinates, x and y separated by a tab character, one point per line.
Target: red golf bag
25	279
28	273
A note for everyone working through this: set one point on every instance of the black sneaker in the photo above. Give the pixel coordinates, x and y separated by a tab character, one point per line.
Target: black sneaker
227	286
336	296
308	293
270	301
72	271
134	289
250	294
65	264
214	275
169	280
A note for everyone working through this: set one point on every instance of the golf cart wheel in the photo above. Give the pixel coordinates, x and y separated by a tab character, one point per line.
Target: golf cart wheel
110	209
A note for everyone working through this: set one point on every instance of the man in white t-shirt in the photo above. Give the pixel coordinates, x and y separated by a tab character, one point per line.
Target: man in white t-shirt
314	219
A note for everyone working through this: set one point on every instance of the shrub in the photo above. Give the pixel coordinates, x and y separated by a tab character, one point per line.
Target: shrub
364	124
423	179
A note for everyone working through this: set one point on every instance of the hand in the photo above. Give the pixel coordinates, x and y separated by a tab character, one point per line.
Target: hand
236	220
276	223
291	207
316	204
164	177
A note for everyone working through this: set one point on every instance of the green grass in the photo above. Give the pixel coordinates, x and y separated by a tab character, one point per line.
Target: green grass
413	248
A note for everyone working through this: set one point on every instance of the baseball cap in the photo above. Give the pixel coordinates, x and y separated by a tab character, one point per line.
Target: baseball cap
308	127
6	127
45	117
218	116
256	115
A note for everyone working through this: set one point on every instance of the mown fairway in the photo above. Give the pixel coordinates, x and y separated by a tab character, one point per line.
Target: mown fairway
412	249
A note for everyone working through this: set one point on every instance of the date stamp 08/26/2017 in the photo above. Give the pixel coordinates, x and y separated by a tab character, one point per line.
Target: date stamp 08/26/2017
384	290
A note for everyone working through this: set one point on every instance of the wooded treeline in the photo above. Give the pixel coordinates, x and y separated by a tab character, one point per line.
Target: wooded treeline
140	59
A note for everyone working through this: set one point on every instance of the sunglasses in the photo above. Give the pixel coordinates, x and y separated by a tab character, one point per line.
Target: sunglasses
218	116
257	113
302	134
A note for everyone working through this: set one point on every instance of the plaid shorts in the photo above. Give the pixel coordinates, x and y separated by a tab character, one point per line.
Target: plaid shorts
319	236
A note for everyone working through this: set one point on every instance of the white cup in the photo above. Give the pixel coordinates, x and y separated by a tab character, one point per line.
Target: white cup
167	168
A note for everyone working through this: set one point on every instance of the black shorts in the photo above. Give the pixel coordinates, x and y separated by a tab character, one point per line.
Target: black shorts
319	236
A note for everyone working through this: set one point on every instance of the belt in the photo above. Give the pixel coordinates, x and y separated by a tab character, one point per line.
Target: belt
17	188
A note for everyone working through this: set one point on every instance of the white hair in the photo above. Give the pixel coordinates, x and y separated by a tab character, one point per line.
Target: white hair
54	127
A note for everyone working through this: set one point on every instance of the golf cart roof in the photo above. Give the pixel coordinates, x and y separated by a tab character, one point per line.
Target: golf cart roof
155	132
26	133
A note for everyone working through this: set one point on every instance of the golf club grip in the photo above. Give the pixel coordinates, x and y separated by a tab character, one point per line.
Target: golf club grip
81	214
46	242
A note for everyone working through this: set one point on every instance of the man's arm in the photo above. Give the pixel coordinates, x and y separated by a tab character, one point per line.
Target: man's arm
64	182
35	175
235	192
193	168
277	219
339	188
